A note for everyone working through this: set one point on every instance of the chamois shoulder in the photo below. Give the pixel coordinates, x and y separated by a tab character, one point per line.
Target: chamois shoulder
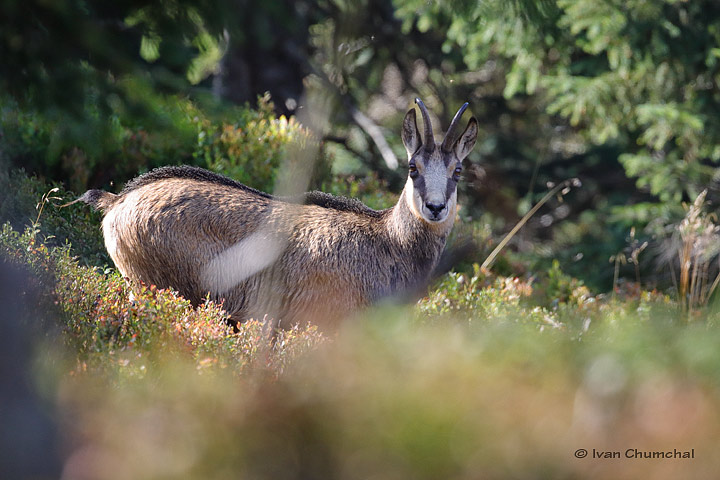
190	173
344	204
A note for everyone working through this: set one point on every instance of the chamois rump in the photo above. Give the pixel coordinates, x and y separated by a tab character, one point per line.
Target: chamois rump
317	259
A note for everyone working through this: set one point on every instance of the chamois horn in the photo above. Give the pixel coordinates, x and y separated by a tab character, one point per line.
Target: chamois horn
429	138
452	134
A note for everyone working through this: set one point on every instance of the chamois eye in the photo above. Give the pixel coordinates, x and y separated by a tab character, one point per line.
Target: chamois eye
458	171
412	169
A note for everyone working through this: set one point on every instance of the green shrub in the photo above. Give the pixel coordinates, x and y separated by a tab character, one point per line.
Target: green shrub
20	204
252	146
240	142
483	297
86	151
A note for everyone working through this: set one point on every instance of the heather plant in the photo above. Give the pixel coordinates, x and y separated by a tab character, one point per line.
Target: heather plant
391	396
110	328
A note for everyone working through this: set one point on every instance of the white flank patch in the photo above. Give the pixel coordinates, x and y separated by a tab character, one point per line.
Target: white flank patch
241	261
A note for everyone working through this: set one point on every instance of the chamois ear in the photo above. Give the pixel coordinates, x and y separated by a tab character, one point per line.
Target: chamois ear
467	140
410	133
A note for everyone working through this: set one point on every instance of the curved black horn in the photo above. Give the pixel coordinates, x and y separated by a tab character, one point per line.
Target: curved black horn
429	138
451	135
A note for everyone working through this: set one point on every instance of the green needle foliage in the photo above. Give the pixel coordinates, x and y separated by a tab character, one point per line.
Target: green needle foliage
640	74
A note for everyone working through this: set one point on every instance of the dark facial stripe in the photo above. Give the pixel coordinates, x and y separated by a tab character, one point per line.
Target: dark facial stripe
419	184
450	188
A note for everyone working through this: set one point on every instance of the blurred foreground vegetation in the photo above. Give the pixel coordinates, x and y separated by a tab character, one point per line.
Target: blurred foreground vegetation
486	377
595	328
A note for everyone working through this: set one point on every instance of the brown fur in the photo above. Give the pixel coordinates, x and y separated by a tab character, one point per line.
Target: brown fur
325	256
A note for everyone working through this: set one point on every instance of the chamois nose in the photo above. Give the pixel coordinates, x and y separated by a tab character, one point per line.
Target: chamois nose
435	208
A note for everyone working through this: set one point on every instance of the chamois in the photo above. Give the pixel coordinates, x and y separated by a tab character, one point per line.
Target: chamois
316	260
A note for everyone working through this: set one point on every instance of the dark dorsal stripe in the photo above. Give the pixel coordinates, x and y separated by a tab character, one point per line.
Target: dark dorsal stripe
189	173
325	200
320	199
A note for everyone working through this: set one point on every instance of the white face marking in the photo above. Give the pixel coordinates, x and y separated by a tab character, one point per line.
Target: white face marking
239	262
435	175
412	198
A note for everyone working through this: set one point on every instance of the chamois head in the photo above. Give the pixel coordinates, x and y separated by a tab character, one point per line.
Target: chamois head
434	169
